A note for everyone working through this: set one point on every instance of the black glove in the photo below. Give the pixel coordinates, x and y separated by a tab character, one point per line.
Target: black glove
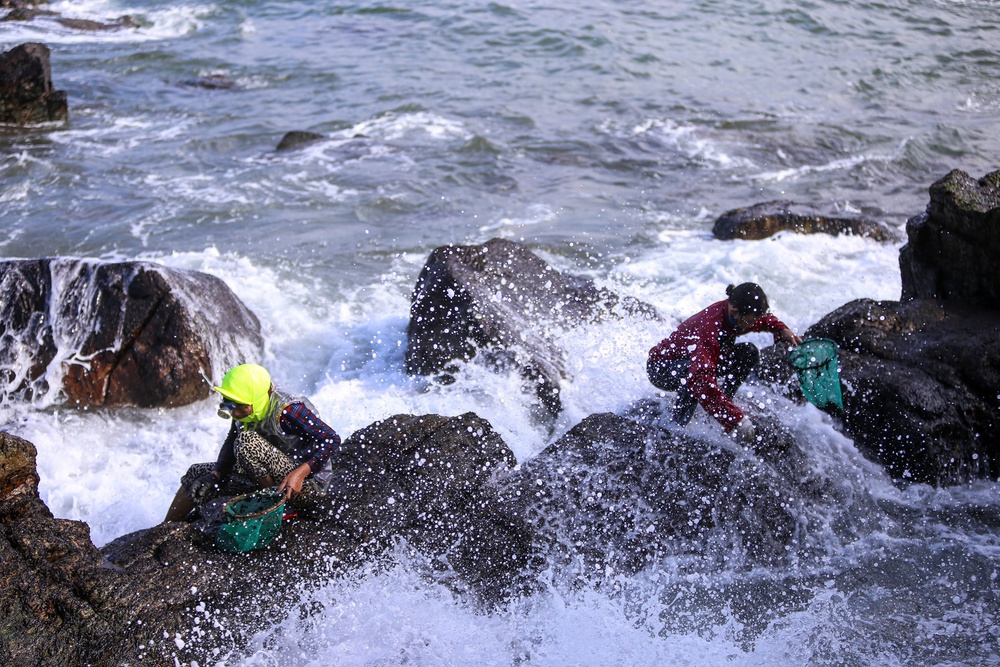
204	487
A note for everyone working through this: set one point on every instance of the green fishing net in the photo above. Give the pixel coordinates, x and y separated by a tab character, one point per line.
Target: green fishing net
816	363
252	521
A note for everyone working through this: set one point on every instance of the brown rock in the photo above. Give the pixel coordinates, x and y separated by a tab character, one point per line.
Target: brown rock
26	93
127	333
768	218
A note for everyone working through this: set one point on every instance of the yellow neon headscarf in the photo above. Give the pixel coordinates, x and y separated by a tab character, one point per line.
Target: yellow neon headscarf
248	384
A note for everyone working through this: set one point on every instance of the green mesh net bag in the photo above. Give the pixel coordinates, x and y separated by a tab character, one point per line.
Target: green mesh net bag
252	521
816	363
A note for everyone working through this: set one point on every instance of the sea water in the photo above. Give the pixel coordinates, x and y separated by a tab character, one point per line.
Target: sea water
607	137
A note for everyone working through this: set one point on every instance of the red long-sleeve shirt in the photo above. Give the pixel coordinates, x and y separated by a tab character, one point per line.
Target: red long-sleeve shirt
700	338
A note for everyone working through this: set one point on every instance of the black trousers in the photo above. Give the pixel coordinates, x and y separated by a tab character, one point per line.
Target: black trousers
736	362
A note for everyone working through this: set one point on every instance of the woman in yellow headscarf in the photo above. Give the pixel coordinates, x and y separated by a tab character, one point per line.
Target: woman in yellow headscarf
275	439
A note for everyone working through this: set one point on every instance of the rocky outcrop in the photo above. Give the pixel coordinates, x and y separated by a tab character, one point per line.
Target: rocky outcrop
953	248
129	333
617	493
436	487
921	384
501	300
768	218
54	587
27	96
166	595
921	377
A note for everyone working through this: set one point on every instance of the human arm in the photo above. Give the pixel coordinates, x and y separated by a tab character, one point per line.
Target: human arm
777	328
227	457
703	384
318	441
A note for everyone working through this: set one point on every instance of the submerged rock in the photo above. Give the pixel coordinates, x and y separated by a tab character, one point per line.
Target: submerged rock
88	25
768	218
298	139
213	82
29	12
27	96
502	300
128	333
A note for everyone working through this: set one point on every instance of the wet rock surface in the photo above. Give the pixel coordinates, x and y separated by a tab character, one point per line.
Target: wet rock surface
501	300
921	376
768	218
298	139
921	383
619	492
166	594
27	96
127	333
953	248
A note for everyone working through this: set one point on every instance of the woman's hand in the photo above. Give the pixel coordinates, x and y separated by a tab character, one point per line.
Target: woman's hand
789	336
292	484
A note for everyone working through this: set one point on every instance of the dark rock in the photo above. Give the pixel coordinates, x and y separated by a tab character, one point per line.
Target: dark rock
921	383
213	82
298	139
129	333
87	25
618	493
21	4
26	14
430	479
953	248
166	595
500	299
26	93
921	377
51	572
768	218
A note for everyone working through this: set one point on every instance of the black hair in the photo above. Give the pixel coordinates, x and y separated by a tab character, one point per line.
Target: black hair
748	298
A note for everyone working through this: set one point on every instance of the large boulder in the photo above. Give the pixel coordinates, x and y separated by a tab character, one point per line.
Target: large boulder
921	376
53	586
618	493
27	96
432	480
768	218
953	247
501	299
124	333
167	595
921	384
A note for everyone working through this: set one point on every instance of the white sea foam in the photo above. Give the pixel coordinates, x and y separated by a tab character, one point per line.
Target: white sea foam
805	276
692	141
412	126
154	24
345	350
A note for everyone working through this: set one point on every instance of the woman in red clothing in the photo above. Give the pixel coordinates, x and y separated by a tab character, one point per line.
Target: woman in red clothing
704	364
